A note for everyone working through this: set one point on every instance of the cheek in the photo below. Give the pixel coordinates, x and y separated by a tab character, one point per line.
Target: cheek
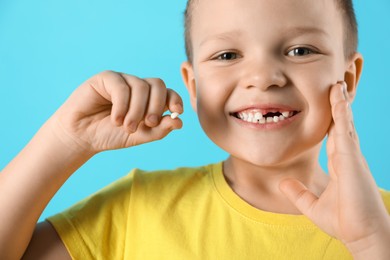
210	108
319	116
320	111
314	86
213	91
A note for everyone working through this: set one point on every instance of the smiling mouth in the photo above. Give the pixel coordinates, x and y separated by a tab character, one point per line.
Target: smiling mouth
264	117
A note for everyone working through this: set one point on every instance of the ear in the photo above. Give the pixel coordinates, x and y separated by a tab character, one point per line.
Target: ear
353	73
187	73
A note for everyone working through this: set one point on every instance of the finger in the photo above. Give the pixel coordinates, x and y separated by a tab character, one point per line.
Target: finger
139	96
330	148
344	134
157	101
303	199
340	107
174	102
147	134
112	87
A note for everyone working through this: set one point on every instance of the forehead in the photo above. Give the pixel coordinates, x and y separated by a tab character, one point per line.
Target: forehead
211	17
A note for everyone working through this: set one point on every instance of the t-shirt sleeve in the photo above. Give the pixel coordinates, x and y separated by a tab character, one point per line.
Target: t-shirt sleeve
95	227
386	199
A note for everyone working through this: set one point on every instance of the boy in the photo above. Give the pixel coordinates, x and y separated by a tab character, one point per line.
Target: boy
268	80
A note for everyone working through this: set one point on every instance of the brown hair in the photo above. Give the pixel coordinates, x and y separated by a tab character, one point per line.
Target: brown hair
345	6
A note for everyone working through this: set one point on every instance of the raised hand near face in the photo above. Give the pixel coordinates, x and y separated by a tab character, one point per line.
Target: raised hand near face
351	208
115	110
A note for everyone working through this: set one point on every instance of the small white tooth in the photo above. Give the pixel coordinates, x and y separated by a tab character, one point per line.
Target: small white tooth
244	116
281	118
258	116
175	115
250	118
262	121
286	114
270	119
276	119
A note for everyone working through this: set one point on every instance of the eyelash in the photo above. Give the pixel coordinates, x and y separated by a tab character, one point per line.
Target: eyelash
231	55
293	52
223	57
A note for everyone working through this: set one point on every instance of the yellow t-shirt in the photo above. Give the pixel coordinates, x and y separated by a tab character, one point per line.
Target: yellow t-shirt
188	213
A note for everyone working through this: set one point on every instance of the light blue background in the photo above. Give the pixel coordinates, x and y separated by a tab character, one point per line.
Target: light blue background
48	48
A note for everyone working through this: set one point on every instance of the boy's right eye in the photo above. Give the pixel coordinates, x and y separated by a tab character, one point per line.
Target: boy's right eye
227	56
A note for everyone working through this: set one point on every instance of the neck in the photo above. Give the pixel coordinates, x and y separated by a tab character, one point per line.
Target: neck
259	185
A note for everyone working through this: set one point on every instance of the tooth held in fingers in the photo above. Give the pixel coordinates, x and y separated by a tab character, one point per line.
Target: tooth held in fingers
175	115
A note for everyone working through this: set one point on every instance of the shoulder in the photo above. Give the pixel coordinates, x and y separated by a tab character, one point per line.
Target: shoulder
386	198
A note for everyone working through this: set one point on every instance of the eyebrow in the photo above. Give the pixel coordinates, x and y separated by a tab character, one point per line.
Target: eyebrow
222	36
300	30
289	32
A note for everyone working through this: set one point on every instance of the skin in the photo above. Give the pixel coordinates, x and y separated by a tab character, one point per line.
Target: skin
245	59
114	110
263	72
98	116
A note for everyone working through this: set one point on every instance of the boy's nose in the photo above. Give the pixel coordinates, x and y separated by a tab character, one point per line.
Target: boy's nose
263	74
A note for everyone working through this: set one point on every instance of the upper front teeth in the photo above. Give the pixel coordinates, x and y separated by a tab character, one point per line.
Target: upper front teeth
259	118
286	114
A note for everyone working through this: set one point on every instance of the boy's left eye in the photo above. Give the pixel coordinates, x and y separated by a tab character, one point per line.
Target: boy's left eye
226	56
300	51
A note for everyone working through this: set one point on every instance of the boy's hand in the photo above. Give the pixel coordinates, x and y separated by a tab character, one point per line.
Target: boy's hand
109	111
350	208
114	110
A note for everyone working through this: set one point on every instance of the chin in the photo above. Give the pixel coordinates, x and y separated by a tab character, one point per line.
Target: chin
276	158
261	159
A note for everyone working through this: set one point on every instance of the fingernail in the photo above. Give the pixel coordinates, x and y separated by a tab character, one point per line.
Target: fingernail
179	108
344	90
132	127
118	121
153	119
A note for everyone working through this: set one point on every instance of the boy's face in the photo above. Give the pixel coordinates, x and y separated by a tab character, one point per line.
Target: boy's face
260	56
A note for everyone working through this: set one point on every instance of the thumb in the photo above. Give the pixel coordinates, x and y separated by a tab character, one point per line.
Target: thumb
303	199
167	124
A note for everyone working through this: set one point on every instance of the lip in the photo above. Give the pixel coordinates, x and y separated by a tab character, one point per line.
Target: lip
264	109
